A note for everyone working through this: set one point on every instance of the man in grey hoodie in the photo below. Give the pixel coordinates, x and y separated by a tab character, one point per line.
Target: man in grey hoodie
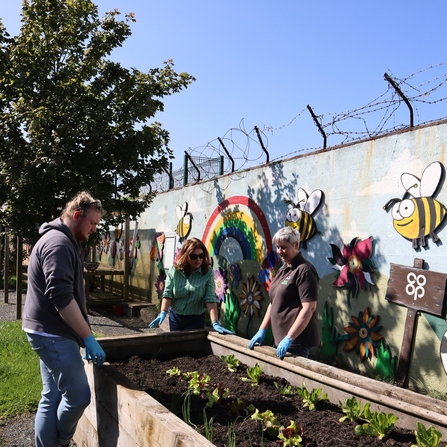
56	321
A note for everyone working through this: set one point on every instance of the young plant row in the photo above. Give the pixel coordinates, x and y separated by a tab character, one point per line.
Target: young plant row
370	423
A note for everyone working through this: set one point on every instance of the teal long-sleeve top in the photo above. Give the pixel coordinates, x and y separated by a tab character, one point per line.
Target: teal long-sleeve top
189	294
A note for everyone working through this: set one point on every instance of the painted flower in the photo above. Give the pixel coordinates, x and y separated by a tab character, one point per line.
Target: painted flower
160	283
354	264
235	275
250	296
362	334
221	284
270	266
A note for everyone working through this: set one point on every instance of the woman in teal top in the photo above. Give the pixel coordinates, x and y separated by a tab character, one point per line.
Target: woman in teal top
190	291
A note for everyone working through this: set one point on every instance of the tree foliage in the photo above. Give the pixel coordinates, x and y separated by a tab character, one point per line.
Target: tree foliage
71	119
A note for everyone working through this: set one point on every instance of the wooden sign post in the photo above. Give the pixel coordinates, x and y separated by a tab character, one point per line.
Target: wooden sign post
420	291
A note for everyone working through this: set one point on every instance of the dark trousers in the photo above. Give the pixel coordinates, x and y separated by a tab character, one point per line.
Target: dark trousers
185	322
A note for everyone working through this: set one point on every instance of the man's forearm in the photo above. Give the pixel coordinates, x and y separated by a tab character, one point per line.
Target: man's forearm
73	317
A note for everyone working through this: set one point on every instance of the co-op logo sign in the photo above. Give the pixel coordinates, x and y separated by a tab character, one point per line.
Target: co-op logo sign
415	285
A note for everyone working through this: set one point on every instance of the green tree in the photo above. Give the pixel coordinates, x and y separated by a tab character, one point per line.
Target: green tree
71	119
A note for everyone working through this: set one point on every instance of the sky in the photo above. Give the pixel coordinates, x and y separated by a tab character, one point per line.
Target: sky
261	63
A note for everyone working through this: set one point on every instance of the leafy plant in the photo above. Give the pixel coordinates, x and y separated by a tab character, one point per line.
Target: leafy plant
217	394
231	361
353	410
270	423
379	424
197	383
291	435
310	399
238	406
254	375
429	437
174	372
285	391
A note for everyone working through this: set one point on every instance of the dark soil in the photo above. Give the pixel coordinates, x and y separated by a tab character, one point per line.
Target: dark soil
321	427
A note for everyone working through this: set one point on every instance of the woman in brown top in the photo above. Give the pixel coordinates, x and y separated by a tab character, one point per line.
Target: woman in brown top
293	300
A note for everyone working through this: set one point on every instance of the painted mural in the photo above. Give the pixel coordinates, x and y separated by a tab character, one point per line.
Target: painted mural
241	219
418	217
354	266
185	222
245	209
300	214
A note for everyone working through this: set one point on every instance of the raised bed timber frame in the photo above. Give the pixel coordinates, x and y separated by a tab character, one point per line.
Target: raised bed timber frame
122	416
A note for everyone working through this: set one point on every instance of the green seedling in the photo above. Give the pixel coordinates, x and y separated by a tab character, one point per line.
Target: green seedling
254	375
208	424
378	425
238	408
231	361
174	372
310	399
217	394
285	391
353	410
197	383
429	437
270	424
291	435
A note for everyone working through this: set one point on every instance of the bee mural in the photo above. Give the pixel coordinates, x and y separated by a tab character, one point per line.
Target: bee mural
299	215
418	217
185	220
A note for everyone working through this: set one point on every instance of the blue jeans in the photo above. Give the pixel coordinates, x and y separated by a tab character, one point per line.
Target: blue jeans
185	322
66	392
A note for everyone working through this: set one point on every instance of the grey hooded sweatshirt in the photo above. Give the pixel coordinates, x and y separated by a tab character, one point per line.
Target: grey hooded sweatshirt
55	277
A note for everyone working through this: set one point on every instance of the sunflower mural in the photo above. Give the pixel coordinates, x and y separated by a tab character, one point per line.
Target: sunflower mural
250	295
362	335
354	266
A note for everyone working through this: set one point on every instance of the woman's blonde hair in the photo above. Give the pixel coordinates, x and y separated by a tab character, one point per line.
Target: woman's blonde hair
188	247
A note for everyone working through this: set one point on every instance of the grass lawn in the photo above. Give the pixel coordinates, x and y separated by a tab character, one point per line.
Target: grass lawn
20	382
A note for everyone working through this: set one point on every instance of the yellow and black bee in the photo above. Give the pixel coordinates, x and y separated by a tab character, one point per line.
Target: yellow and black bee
418	217
300	217
184	225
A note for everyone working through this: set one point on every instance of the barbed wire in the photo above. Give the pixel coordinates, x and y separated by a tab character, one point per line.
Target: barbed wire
240	148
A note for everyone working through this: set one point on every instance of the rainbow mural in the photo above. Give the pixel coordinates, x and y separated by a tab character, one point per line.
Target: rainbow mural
240	218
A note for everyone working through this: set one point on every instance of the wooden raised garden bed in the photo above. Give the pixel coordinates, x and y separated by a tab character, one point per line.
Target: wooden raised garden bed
122	416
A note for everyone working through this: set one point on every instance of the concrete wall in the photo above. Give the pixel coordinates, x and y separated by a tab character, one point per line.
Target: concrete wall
236	215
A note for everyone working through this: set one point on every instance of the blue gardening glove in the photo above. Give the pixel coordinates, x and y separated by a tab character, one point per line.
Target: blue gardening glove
283	346
257	338
93	351
158	320
217	327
